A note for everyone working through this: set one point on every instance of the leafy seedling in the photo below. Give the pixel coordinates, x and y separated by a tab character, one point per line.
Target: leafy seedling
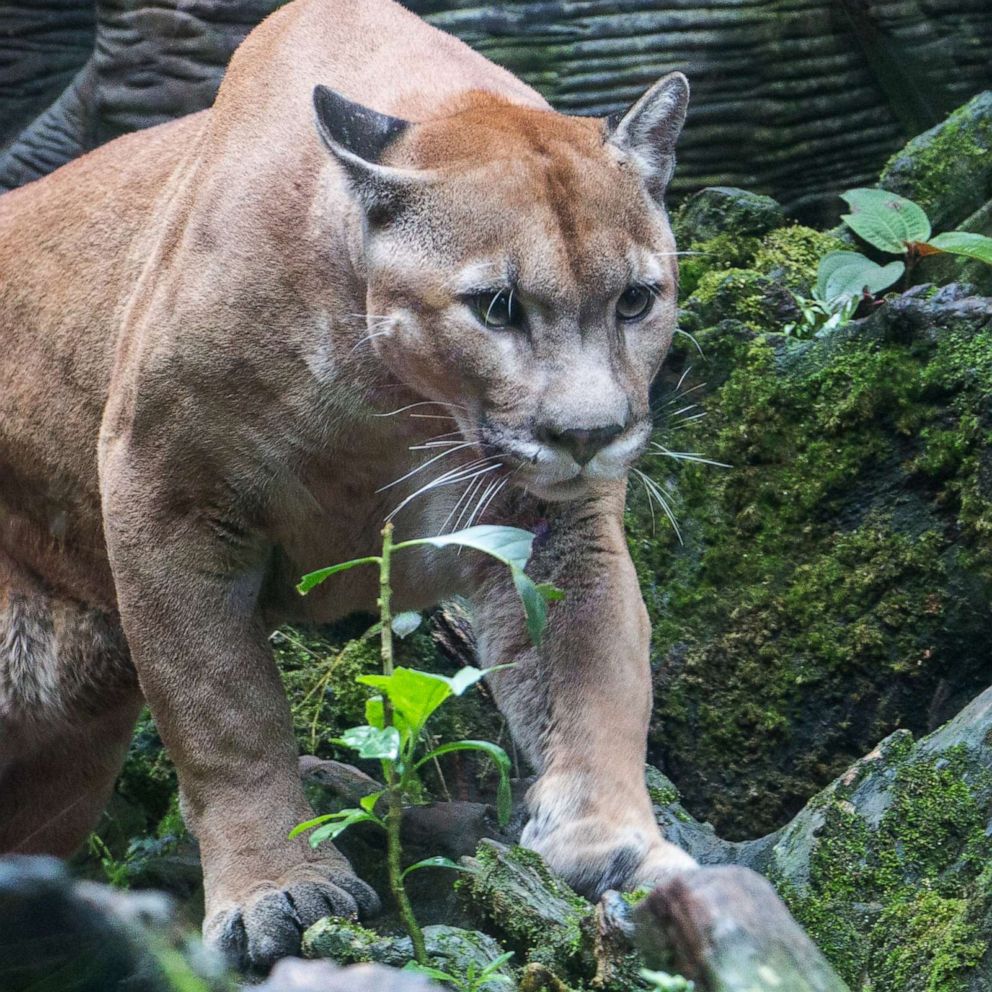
396	720
896	226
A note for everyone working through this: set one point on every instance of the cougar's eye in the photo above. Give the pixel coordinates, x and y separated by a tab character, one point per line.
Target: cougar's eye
497	308
634	302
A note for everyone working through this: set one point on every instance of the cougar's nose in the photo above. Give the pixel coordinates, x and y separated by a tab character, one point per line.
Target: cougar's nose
581	443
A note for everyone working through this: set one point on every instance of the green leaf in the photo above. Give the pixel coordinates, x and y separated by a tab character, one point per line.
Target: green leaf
965	243
535	605
886	220
405	624
550	593
414	695
510	545
372	742
312	579
846	274
438	862
302	828
373	712
465	678
330	831
495	965
375	717
500	760
368	802
429	972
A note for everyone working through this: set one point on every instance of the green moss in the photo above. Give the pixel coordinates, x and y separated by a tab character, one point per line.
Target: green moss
717	254
946	169
896	903
535	912
833	576
929	945
754	281
792	254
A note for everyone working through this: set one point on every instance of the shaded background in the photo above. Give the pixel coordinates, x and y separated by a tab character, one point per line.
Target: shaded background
796	98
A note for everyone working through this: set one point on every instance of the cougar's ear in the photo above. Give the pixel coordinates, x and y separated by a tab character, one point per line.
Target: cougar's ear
357	136
647	132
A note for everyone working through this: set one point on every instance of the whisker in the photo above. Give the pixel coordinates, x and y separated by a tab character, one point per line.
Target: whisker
369	337
432	444
411	406
481	509
476	485
654	526
678	330
687	456
420	468
655	491
448	479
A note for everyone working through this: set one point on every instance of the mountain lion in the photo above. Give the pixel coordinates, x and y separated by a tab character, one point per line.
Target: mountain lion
380	276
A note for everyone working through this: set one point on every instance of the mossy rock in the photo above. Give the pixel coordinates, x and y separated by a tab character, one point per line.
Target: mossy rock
755	281
889	866
834	582
725	211
460	953
948	169
537	914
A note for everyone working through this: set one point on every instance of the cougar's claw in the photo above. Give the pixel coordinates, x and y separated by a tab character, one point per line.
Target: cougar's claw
269	924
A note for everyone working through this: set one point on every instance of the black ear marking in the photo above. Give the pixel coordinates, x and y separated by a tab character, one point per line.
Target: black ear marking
350	127
648	131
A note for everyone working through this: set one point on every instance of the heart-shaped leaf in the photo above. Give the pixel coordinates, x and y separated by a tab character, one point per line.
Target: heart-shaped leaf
886	220
844	274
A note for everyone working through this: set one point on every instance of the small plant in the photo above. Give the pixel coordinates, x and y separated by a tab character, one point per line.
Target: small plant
396	720
821	314
896	226
661	981
475	977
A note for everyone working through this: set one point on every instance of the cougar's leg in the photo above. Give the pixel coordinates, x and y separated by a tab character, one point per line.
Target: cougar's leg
188	589
579	707
68	702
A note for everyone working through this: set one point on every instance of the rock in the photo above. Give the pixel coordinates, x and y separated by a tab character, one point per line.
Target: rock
457	952
726	929
948	169
889	866
91	938
720	210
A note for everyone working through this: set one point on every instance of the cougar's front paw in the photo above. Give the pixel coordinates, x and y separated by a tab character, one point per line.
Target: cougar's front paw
269	921
594	861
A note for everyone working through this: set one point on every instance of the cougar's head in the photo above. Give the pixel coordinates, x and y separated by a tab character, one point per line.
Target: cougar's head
521	269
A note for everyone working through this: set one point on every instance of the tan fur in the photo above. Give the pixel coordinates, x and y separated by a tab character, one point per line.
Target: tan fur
195	410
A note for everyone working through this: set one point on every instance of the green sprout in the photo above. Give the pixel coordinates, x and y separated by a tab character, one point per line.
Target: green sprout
396	720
